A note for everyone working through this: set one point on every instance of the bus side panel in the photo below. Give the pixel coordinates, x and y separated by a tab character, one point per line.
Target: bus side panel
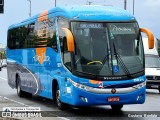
11	67
47	71
37	77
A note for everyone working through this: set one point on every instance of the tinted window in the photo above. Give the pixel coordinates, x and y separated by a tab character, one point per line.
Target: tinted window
39	34
63	23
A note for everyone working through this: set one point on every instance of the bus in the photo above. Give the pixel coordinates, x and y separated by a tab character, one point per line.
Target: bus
81	56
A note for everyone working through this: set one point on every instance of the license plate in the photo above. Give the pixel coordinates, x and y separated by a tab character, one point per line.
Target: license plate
113	99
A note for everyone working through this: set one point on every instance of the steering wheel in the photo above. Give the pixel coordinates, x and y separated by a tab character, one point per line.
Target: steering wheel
92	62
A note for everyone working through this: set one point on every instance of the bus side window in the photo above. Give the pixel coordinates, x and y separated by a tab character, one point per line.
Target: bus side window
30	36
66	54
45	33
63	23
52	42
10	43
13	40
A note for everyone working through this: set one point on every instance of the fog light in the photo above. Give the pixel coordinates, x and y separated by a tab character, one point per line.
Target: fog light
83	99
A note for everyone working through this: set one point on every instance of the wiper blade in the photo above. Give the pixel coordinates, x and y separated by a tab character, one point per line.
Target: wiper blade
95	76
104	61
153	67
119	59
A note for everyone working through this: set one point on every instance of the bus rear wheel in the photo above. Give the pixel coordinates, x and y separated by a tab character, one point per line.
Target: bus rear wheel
59	104
20	93
116	107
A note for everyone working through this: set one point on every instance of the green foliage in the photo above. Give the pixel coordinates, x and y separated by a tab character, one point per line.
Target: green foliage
2	54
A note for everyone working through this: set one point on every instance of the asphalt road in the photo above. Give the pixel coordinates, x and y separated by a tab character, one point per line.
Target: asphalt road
8	98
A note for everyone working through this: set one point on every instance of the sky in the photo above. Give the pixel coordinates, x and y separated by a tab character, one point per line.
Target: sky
147	12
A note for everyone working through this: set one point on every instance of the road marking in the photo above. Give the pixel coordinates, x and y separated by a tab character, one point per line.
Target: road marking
63	118
15	101
3	78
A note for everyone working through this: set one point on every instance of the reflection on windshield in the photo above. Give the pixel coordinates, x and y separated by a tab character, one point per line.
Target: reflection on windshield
152	62
94	50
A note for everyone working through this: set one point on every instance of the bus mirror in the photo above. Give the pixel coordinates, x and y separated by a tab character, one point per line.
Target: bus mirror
150	37
70	39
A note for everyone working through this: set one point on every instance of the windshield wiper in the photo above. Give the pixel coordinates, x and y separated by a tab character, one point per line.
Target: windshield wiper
95	76
153	67
119	60
104	61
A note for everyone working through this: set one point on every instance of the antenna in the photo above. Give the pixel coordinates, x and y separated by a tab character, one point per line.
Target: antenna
55	3
125	4
89	2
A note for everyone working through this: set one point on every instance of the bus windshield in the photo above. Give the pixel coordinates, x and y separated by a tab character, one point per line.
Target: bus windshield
97	46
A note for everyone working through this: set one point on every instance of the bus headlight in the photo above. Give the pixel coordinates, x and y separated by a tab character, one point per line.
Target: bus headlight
140	85
80	86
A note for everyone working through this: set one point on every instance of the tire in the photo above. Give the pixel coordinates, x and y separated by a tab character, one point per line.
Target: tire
59	104
20	93
116	107
28	95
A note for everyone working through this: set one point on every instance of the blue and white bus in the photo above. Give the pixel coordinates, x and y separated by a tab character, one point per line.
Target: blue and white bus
81	56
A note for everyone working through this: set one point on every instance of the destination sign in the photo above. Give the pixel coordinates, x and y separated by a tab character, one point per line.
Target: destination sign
91	25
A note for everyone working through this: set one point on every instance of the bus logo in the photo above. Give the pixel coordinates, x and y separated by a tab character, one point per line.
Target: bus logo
41	56
113	91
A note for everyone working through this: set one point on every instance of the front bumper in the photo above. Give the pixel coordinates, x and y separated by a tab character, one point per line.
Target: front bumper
79	97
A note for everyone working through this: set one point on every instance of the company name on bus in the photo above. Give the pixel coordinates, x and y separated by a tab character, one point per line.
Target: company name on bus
120	29
42	57
112	78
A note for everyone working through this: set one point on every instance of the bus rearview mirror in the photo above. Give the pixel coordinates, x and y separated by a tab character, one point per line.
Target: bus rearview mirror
150	37
70	39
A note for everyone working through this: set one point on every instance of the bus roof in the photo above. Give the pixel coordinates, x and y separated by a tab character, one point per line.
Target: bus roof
85	13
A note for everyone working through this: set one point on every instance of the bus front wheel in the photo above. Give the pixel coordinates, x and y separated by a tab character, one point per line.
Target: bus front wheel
59	104
116	107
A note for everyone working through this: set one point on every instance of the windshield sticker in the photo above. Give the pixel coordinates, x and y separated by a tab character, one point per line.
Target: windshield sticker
121	29
91	25
116	69
114	62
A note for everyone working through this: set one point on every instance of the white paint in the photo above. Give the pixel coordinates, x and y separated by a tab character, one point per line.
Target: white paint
3	79
63	118
152	71
34	79
150	51
68	90
15	101
59	65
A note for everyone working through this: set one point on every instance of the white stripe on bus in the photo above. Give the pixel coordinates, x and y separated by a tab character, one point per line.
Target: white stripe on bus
34	79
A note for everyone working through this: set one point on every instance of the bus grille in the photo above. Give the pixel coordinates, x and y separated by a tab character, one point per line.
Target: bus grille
153	77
